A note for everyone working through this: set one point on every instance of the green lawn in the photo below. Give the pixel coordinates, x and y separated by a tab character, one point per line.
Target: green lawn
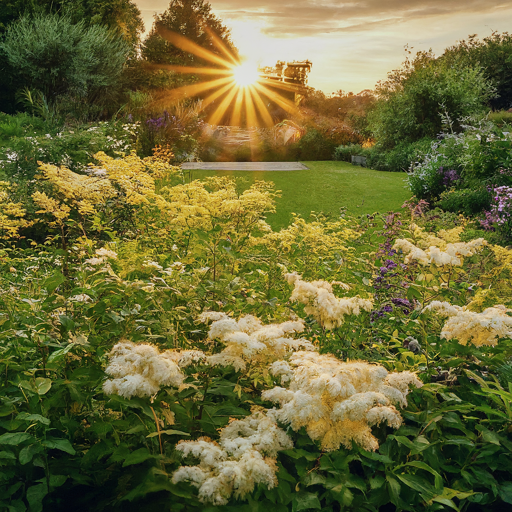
326	187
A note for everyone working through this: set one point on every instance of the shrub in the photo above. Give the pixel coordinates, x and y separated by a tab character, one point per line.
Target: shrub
73	148
467	201
50	53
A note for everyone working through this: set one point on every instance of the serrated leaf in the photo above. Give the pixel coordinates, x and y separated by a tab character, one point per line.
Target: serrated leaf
25	416
42	385
14	438
35	496
59	444
505	492
138	456
28	452
306	501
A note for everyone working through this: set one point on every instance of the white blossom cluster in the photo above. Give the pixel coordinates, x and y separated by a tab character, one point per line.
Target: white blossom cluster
140	369
452	255
243	458
101	256
469	327
249	338
321	303
338	402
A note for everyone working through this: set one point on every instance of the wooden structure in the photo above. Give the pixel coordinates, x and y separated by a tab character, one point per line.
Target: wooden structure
291	78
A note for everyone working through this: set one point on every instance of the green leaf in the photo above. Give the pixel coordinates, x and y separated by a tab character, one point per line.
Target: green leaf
418	483
59	354
446	501
505	492
35	496
421	465
169	433
59	444
54	281
33	417
297	453
28	452
14	438
66	322
394	489
306	501
7	455
42	385
138	456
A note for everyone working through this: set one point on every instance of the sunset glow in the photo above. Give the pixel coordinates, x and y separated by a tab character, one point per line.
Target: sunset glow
236	87
245	74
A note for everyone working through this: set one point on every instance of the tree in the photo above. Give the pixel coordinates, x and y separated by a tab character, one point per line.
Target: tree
413	100
192	19
494	55
50	53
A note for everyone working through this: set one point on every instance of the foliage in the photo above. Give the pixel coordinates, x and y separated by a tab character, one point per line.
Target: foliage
29	142
59	57
104	359
192	19
462	171
493	54
398	159
414	98
178	128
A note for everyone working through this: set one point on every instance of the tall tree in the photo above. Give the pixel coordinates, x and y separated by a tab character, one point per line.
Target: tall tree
192	19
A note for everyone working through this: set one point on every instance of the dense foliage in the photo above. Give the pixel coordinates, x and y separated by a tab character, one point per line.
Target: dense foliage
194	20
164	347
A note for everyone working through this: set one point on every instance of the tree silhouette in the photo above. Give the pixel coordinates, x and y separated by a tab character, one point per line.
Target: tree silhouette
192	19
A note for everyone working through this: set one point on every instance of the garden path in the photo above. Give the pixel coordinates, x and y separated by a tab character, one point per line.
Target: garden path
245	166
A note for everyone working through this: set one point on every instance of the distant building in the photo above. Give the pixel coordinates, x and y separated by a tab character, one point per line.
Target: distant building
291	78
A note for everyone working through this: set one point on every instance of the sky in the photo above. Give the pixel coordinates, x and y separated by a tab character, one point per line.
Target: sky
352	44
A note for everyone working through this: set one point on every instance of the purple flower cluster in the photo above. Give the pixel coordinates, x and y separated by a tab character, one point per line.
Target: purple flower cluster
450	176
501	208
163	122
388	284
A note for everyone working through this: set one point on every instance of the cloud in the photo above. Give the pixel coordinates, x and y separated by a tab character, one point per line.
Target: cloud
286	18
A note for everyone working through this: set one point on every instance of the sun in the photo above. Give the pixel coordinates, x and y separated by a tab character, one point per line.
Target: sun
235	85
245	74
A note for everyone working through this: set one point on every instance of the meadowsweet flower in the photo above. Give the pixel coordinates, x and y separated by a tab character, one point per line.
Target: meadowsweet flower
95	261
469	327
249	338
152	265
327	309
139	369
184	358
452	254
338	402
106	253
83	297
243	458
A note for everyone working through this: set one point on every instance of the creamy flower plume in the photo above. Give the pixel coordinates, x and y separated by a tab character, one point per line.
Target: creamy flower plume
338	402
139	369
447	254
249	338
469	327
243	458
321	303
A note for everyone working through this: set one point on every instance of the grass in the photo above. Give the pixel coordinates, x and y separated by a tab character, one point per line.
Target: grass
326	187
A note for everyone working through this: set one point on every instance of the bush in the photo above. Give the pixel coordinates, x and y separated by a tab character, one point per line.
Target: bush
50	53
466	201
72	148
398	159
414	100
